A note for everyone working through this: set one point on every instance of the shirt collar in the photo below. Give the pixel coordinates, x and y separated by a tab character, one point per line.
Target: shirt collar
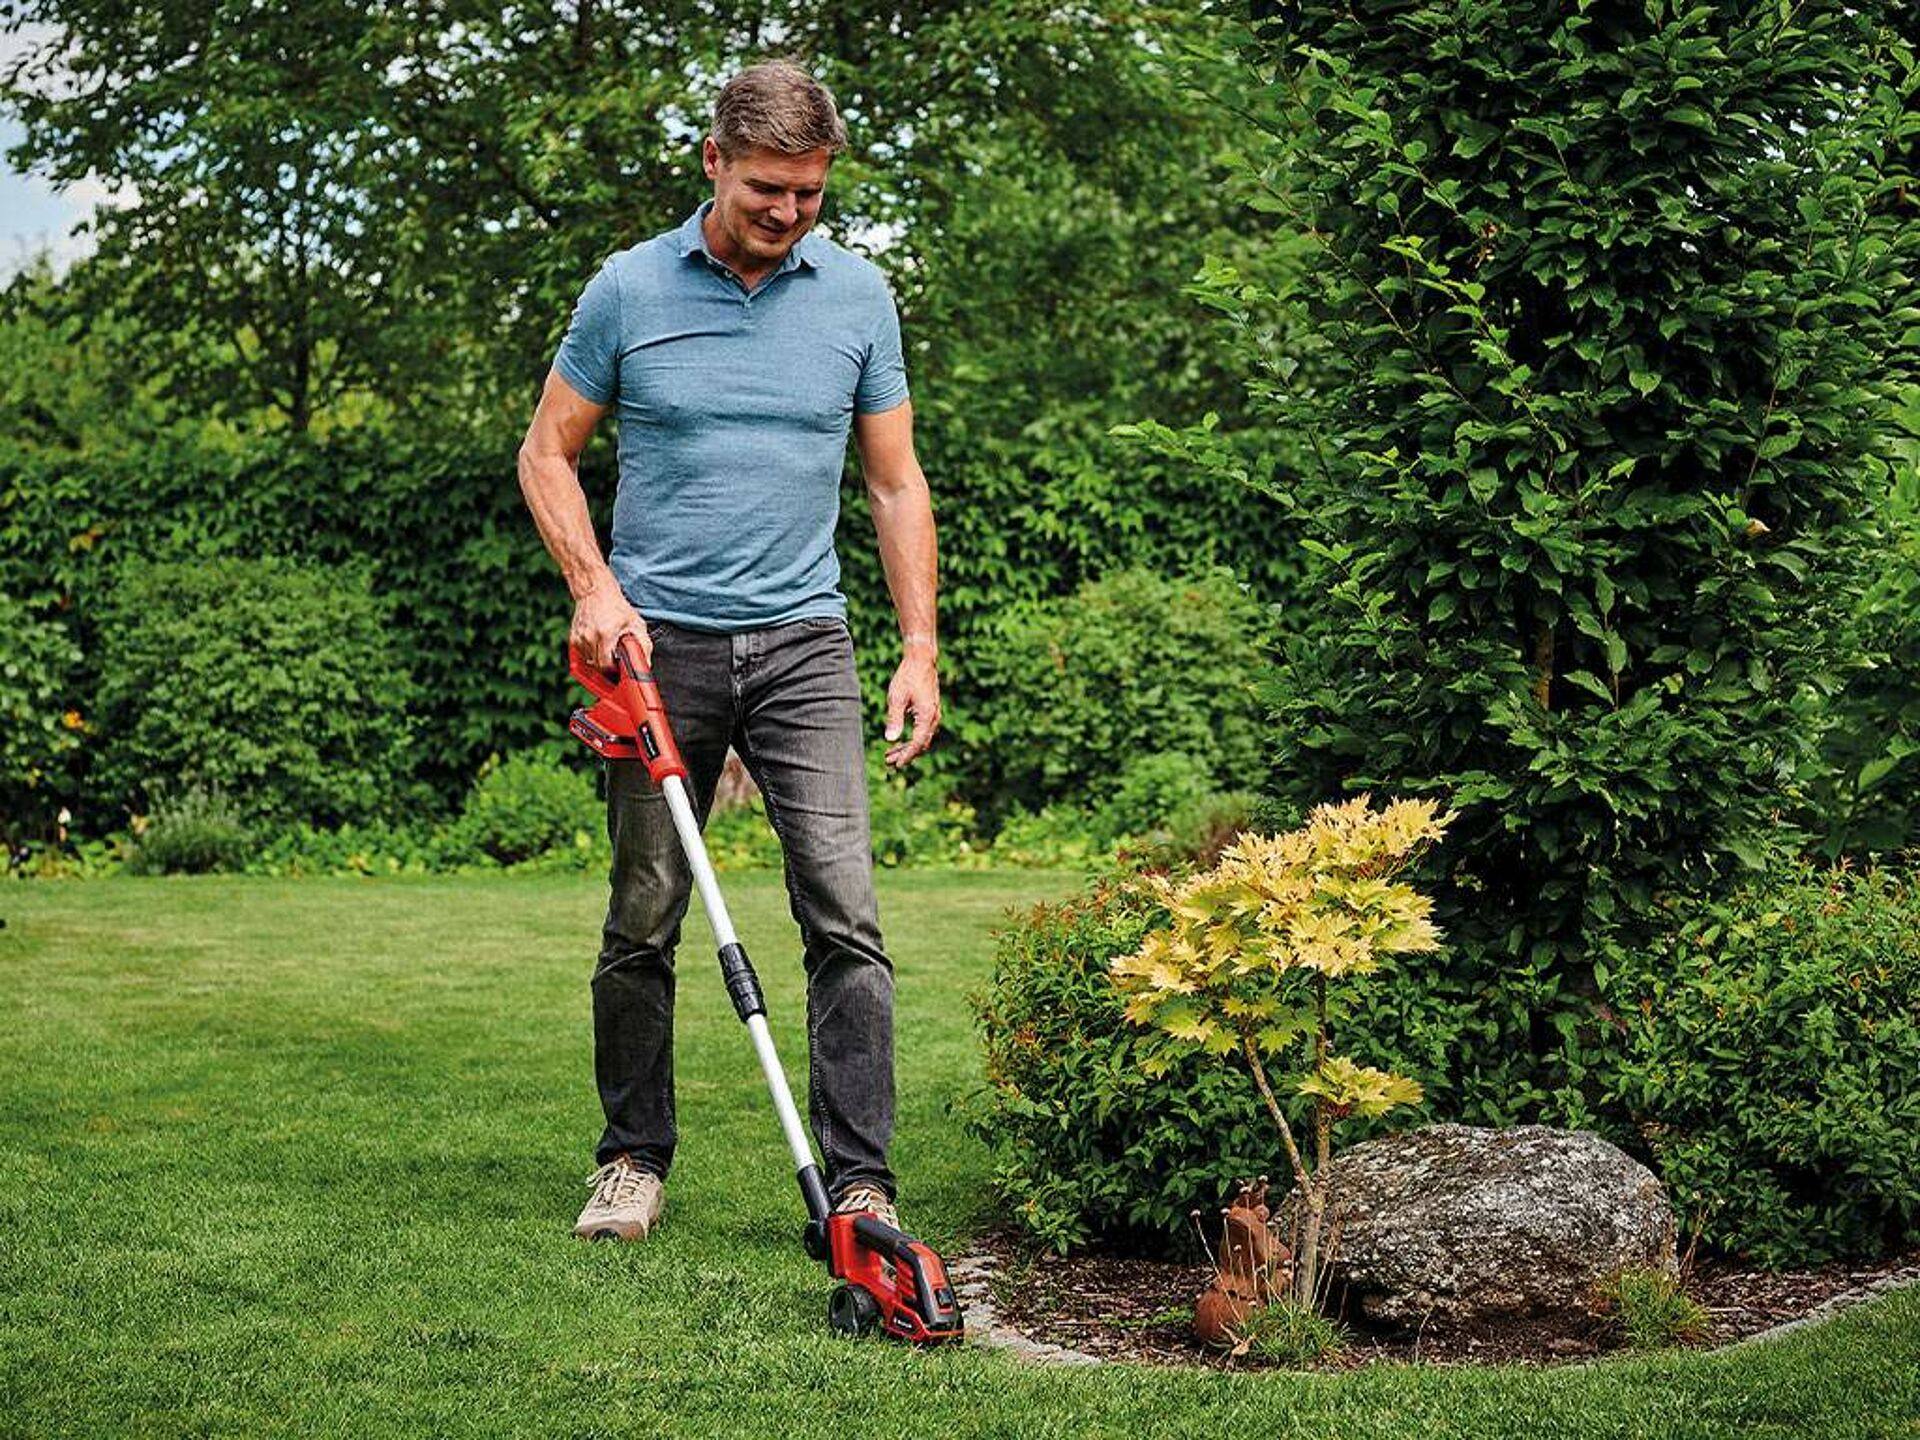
691	239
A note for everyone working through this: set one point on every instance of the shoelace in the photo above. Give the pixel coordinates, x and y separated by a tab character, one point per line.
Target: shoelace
618	1183
869	1197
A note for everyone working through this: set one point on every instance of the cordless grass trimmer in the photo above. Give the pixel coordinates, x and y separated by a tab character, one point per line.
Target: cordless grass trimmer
890	1282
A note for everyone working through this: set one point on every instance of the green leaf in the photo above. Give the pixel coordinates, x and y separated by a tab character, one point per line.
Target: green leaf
1874	771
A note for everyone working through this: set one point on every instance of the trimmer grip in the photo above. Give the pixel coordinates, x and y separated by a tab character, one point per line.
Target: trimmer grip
638	695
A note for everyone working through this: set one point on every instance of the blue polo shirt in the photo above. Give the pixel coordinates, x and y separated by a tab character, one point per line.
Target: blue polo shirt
734	410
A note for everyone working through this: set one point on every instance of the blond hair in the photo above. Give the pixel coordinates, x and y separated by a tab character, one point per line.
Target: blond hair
777	106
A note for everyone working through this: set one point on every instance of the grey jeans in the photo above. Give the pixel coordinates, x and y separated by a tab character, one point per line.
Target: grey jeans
787	700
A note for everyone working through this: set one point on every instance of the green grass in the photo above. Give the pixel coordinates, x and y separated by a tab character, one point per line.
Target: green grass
301	1157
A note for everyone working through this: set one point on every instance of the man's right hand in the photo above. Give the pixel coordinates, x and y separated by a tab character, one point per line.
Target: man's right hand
600	617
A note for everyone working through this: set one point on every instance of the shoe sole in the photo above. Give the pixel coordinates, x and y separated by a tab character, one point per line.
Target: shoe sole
608	1233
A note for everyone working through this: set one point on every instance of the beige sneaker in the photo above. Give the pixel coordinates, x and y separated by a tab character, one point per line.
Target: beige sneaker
626	1202
871	1199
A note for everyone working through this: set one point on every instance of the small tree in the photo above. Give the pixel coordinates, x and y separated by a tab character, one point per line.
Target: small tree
1253	949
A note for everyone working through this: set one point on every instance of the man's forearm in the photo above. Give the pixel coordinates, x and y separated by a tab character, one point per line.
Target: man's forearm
909	553
551	487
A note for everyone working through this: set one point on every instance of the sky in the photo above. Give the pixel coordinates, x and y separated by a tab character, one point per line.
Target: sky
34	217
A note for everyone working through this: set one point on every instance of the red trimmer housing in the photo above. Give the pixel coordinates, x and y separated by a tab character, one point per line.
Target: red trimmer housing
891	1283
894	1285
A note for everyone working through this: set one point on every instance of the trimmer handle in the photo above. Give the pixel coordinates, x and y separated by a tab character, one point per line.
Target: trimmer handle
630	705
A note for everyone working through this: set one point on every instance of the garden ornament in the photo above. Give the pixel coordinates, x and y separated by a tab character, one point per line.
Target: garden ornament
1251	1270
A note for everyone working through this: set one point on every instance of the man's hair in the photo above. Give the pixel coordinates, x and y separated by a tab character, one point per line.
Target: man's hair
777	106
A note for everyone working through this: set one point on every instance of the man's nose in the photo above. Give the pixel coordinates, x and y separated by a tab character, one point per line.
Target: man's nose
786	209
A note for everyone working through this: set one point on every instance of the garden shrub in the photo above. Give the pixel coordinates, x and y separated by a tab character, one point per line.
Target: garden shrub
1604	333
1149	788
917	819
1197	829
197	831
1166	812
740	837
376	848
527	806
1128	666
1768	1049
1087	1145
1055	835
37	732
278	683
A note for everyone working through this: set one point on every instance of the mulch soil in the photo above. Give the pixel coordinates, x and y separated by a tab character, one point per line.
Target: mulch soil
1141	1310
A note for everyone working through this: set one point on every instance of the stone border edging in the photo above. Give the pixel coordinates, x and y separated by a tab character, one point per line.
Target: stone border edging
972	1277
1830	1307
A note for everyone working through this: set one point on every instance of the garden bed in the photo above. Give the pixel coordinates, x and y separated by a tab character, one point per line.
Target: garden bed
1116	1308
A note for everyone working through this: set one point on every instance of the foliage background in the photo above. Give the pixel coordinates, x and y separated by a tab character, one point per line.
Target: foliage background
320	331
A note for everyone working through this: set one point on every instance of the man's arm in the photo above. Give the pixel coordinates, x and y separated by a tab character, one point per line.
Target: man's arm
903	520
550	481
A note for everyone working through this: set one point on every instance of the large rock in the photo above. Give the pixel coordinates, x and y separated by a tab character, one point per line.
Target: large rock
1453	1225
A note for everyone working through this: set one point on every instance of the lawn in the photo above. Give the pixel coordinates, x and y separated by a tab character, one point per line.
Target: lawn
301	1157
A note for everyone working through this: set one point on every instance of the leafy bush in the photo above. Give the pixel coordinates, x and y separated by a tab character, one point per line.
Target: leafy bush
527	806
1150	788
1866	796
1768	1054
196	832
1087	1145
1130	665
1606	329
279	684
376	848
1055	835
1165	812
36	731
1198	829
918	821
741	837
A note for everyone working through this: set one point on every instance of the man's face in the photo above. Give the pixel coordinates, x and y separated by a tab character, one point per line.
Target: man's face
763	201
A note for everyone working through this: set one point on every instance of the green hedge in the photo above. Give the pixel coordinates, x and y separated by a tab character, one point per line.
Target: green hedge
474	608
1127	670
477	611
37	733
274	682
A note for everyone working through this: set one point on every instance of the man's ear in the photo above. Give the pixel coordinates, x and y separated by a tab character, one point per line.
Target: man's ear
710	157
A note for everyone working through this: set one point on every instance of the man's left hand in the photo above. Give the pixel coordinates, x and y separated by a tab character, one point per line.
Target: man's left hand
915	692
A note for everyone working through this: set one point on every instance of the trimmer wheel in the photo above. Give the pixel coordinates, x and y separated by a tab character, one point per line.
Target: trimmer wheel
852	1311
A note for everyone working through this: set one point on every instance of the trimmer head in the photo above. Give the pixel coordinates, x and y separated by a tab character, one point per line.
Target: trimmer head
895	1285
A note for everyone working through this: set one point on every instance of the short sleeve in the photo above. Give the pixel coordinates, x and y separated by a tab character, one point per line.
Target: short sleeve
589	355
883	379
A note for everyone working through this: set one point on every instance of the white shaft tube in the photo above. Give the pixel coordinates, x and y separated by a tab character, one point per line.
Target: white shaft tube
681	808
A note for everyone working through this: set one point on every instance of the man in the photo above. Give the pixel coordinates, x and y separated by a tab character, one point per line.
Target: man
740	349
